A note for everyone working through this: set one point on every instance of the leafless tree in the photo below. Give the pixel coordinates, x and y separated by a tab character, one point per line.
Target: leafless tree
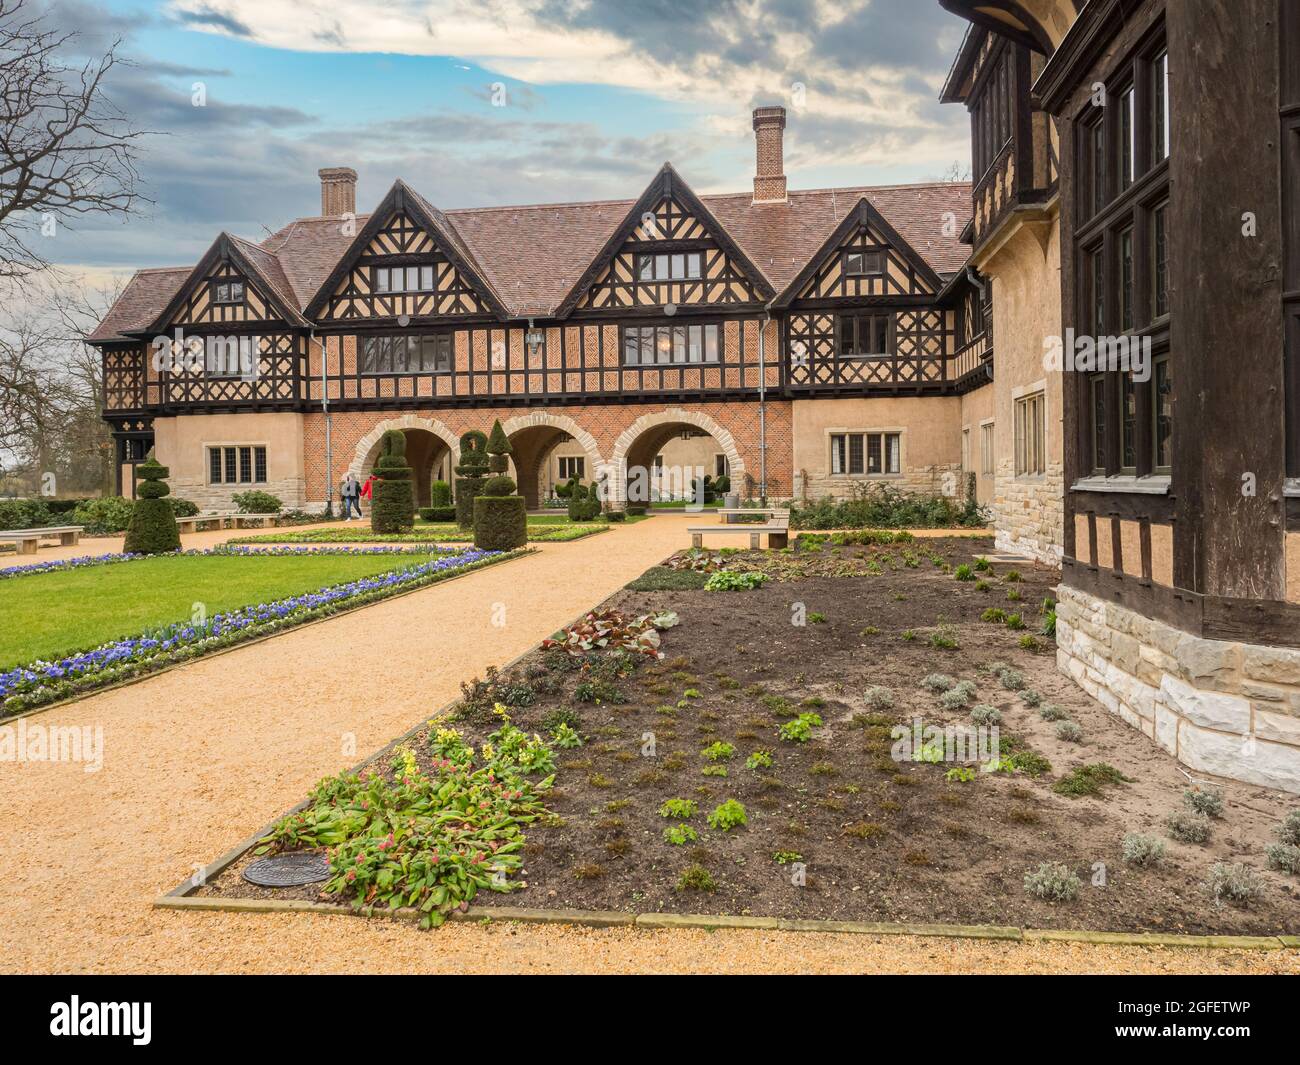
51	385
956	171
65	150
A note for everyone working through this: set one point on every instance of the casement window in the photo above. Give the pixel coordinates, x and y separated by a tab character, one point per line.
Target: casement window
572	466
864	336
1123	279
430	353
404	278
228	292
237	464
721	467
864	263
1126	316
993	114
1162	416
987	460
1097	406
866	454
1031	435
230	356
1127	134
1160	260
658	345
1160	107
674	266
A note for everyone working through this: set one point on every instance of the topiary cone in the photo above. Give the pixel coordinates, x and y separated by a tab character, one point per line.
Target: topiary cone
392	509
152	528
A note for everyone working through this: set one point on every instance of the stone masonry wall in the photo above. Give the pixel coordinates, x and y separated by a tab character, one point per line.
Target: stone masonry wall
1227	709
1029	514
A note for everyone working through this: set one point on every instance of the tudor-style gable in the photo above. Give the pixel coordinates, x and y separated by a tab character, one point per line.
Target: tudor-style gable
863	258
669	251
228	290
406	262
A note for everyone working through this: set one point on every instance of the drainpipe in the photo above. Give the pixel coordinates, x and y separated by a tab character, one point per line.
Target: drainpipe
762	410
329	442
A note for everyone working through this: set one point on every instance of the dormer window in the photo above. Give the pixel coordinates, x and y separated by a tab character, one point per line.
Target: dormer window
228	292
864	263
404	279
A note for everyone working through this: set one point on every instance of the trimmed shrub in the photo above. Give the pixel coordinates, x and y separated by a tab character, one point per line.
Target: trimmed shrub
392	510
438	513
108	515
500	516
470	474
439	494
152	529
584	501
25	513
255	502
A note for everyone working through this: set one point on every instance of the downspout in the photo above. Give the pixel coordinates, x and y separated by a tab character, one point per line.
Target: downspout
762	405
329	441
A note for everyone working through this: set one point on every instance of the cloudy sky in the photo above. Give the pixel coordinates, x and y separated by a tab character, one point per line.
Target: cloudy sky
480	102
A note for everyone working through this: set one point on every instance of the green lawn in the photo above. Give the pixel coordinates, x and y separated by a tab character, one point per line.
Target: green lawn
50	615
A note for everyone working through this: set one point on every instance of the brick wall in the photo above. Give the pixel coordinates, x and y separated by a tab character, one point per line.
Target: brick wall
607	424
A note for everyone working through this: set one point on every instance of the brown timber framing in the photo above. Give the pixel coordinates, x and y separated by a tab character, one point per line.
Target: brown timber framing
1228	292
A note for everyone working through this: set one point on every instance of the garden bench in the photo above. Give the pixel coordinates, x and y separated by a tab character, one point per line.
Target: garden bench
28	540
777	530
191	523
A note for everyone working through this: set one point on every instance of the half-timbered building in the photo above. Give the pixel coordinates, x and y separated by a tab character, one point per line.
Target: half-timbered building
806	342
1175	227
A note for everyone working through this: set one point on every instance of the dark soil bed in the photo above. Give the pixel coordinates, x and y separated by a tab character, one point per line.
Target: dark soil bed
875	838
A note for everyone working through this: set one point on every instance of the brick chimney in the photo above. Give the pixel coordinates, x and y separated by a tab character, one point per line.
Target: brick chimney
769	173
338	191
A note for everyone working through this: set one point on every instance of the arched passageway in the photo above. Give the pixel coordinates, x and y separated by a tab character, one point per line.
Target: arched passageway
664	462
548	449
428	456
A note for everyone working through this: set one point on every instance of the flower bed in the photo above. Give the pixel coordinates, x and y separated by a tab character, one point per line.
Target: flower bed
39	683
86	561
443	534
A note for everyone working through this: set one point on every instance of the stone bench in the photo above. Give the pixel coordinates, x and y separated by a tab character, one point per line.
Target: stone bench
29	540
777	531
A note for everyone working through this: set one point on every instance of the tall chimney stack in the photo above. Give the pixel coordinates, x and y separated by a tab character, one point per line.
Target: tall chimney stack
338	191
769	173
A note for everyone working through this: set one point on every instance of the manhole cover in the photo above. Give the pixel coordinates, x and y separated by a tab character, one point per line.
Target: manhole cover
288	870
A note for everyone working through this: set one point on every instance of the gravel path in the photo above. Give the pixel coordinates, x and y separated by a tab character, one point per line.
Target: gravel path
200	757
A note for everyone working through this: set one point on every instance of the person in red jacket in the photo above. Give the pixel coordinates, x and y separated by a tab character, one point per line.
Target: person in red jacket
367	489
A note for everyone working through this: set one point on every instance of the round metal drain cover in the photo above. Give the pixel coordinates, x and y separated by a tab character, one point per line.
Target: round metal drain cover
288	870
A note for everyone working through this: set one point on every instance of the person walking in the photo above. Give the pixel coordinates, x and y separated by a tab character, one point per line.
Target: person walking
349	491
367	490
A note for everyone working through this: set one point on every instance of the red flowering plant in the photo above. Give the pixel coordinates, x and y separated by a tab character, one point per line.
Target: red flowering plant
428	841
612	629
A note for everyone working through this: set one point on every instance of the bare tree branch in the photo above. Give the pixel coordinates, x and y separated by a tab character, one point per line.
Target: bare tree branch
65	150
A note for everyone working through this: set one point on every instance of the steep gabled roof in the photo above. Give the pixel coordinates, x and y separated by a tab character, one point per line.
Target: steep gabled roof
530	259
667	184
256	264
861	213
402	198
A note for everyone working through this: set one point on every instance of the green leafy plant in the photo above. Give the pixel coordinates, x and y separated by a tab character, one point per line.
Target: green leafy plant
257	502
759	760
786	857
799	730
1089	780
959	775
718	752
682	809
565	736
734	581
696	878
728	815
680	835
963	573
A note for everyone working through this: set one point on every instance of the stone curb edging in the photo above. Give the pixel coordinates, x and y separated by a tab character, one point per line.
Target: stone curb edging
474	567
713	922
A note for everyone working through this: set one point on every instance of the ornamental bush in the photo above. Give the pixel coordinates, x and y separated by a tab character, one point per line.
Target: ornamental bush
255	502
24	513
392	510
439	494
438	513
500	517
111	514
152	529
470	474
584	501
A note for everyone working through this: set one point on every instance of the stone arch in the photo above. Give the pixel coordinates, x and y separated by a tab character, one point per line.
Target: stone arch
367	449
661	424
534	436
